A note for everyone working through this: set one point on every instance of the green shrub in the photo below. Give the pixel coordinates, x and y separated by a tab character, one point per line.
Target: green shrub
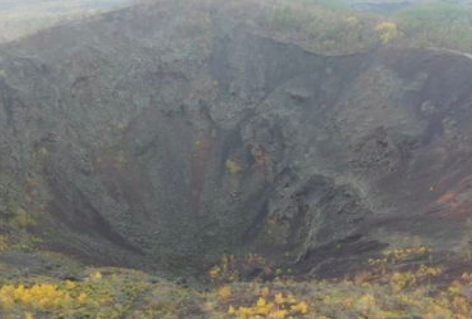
438	25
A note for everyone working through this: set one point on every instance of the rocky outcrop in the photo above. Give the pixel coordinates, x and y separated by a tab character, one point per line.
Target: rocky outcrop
160	142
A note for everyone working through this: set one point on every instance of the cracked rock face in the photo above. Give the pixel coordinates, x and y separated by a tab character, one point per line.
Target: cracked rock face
160	142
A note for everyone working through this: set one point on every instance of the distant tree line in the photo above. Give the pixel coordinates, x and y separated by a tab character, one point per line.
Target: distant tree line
331	27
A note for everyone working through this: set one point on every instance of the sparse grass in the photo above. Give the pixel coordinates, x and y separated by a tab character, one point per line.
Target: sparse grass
438	25
324	27
107	295
329	28
383	290
321	29
391	287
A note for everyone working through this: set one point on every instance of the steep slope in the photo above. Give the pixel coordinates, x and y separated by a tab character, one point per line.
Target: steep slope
162	136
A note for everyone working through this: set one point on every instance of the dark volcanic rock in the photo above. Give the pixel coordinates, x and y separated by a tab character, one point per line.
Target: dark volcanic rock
162	141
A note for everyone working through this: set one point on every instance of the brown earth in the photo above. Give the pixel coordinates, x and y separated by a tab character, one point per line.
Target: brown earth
164	136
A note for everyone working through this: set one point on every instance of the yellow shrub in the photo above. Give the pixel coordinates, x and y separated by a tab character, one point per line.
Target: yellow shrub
366	302
429	271
278	307
224	292
301	307
400	280
41	296
83	298
231	267
95	276
233	167
4	243
387	31
23	218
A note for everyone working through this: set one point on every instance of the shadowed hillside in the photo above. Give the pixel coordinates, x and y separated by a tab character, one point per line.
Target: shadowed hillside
192	137
165	135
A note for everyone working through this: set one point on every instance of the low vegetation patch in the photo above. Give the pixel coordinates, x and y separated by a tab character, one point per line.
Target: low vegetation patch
389	287
332	28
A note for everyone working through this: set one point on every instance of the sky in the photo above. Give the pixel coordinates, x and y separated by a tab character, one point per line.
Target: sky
13	4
